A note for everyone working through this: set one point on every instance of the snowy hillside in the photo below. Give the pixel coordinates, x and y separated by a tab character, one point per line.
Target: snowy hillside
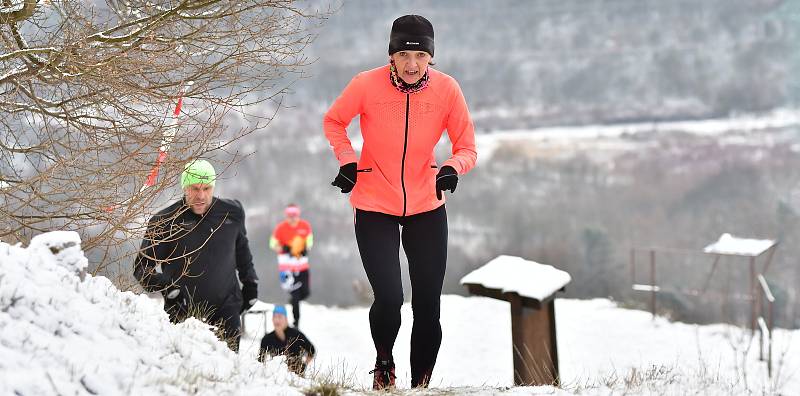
555	62
61	335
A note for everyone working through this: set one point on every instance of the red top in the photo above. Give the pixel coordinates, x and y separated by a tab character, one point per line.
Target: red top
285	233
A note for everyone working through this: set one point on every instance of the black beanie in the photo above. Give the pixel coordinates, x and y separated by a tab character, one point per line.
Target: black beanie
411	33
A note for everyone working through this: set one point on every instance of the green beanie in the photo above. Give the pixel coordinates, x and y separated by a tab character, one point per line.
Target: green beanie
198	171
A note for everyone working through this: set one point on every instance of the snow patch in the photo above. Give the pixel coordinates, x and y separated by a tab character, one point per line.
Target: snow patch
729	244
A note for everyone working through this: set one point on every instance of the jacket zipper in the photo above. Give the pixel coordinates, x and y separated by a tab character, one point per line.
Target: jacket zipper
403	162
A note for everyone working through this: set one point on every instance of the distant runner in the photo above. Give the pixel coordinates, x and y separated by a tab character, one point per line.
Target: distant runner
291	240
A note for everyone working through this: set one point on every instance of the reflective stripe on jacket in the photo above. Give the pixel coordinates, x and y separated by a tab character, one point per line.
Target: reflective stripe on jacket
397	169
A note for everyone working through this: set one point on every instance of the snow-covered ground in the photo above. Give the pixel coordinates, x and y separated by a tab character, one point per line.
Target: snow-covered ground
61	335
598	343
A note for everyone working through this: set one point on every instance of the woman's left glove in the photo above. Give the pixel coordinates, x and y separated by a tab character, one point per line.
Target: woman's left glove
346	178
446	179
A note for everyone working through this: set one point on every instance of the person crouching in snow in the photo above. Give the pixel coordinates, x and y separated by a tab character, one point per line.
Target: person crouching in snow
287	341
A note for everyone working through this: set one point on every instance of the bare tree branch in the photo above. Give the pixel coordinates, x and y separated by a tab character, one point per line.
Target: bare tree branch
86	95
15	11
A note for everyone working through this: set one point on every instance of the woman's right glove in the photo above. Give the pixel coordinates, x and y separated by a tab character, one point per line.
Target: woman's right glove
346	179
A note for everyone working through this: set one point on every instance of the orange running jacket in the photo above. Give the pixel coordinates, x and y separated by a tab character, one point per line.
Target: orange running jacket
397	169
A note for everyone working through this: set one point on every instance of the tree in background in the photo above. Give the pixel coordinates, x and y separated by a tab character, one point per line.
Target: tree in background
86	95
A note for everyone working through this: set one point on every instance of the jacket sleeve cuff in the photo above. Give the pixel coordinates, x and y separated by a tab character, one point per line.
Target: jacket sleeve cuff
347	157
452	162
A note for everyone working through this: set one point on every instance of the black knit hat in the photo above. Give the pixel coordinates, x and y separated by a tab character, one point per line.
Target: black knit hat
411	33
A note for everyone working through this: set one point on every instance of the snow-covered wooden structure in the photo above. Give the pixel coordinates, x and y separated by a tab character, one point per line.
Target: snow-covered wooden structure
759	291
729	245
726	246
530	288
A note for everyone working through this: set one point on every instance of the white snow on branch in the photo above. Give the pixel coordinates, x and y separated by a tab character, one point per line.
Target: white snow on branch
11	73
13	8
26	51
204	14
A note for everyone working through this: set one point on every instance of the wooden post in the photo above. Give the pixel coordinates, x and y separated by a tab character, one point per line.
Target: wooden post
753	292
653	283
760	307
533	333
771	328
533	316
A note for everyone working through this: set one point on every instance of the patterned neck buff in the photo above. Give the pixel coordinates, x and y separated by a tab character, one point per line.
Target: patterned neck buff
405	87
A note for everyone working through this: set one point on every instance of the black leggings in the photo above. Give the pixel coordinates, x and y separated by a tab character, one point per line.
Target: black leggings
424	238
301	279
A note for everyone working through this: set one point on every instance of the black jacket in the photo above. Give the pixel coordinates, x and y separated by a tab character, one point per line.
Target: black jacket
211	249
296	344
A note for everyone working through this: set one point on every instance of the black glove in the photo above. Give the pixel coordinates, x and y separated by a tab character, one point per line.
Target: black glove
176	300
446	179
172	293
177	295
249	295
346	179
285	249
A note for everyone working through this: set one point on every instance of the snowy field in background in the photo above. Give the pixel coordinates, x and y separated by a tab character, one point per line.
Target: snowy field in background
60	335
611	137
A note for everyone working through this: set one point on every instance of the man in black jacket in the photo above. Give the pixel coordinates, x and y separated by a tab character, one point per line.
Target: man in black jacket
288	341
200	244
